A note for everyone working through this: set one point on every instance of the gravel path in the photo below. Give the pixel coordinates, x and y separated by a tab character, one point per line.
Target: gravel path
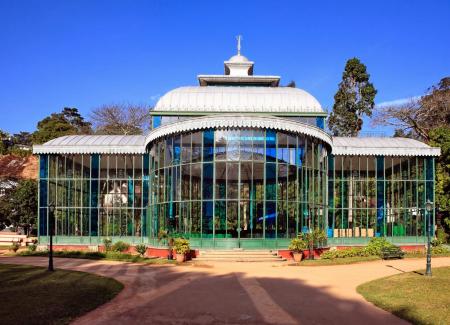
237	293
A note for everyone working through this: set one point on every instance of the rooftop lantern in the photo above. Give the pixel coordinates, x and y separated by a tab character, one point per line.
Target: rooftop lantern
238	65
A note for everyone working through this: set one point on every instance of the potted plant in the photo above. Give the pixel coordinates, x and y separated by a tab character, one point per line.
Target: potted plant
182	248
297	246
164	235
314	238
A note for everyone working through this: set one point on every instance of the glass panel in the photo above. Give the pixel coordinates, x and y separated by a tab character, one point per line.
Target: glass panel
195	217
246	143
258	181
258	219
207	215
208	145
246	180
221	181
282	150
233	142
281	219
232	180
208	179
271	214
232	219
176	150
196	146
221	145
270	145
186	148
245	218
156	121
282	182
196	172
271	181
220	223
258	145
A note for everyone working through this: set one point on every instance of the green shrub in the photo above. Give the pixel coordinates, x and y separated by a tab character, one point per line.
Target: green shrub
297	245
435	242
376	245
32	247
315	237
343	253
14	247
441	235
141	249
118	256
79	254
181	245
120	246
94	255
438	250
108	243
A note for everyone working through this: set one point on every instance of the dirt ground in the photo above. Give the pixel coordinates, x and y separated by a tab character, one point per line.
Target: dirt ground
238	293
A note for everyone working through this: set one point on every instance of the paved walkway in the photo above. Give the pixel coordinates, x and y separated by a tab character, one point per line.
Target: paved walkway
238	293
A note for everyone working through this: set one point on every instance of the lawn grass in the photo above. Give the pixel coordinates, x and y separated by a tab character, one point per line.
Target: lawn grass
337	261
361	259
412	296
32	295
111	256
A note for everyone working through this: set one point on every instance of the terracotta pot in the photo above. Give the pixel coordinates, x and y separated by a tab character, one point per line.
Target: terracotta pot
181	258
297	256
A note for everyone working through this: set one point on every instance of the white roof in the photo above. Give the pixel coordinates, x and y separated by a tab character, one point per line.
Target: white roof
136	144
371	146
231	99
78	144
238	121
238	58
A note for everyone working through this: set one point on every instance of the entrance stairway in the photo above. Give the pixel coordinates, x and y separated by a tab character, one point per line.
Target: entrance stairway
238	255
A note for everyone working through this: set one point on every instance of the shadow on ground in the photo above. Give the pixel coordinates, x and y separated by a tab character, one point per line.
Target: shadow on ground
190	295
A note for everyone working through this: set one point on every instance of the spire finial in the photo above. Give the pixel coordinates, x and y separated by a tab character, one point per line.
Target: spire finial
239	38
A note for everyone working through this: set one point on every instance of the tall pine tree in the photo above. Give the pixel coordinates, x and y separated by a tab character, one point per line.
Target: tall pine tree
354	98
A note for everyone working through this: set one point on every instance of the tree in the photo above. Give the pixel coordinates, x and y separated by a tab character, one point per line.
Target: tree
440	137
427	119
68	122
121	119
23	138
23	204
419	116
3	140
354	99
5	210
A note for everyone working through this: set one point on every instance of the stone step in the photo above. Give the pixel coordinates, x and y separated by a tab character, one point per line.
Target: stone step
244	253
238	255
239	259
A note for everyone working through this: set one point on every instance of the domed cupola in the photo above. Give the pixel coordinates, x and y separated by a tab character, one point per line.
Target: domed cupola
238	65
238	72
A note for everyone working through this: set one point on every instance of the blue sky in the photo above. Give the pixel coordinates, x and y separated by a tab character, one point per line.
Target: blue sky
85	53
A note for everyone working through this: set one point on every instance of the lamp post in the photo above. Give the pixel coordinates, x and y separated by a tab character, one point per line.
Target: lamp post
428	209
51	210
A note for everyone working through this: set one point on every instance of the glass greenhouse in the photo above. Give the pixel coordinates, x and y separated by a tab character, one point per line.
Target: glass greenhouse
237	161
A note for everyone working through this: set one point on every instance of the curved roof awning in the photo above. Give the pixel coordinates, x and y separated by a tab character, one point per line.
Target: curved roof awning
90	144
136	144
238	121
348	146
